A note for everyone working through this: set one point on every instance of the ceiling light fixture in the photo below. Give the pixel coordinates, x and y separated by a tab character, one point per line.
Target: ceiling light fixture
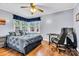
33	7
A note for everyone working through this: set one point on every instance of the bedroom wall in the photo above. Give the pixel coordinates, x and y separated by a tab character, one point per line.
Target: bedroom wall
50	23
4	29
76	24
54	22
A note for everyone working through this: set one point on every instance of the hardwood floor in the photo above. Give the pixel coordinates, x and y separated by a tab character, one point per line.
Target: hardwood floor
42	50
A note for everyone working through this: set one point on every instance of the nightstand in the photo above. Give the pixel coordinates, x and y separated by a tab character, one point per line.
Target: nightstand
2	41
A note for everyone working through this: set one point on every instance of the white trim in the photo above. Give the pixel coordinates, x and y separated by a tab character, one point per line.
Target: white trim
78	49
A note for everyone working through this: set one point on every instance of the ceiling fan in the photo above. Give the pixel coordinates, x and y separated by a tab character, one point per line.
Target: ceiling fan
33	8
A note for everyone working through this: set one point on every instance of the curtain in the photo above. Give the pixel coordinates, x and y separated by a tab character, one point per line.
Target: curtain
26	19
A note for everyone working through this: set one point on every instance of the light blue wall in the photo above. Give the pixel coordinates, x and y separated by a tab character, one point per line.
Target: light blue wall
4	29
76	24
54	22
50	23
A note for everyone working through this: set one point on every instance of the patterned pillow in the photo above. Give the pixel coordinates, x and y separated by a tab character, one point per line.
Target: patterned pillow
12	33
22	32
18	33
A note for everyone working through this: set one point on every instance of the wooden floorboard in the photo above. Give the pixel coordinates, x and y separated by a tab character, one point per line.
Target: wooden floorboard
44	49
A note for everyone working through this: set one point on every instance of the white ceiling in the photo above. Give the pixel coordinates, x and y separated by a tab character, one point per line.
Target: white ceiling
47	7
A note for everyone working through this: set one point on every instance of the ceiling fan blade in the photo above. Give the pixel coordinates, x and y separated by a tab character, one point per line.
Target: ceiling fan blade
24	6
40	10
32	4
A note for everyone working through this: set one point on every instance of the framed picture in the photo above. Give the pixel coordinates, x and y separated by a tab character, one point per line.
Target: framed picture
77	17
2	21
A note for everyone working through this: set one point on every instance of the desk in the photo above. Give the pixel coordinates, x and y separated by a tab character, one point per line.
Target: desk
52	34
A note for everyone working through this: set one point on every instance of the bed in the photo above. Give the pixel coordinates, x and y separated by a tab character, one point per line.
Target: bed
25	43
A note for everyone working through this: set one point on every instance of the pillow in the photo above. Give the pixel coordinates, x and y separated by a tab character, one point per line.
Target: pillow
18	33
12	33
22	32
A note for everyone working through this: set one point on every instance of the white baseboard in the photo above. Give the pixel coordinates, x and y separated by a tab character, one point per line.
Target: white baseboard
78	49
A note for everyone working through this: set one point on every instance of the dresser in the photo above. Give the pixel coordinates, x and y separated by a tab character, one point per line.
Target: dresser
2	41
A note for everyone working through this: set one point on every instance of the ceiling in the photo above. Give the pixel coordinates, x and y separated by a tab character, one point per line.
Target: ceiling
48	8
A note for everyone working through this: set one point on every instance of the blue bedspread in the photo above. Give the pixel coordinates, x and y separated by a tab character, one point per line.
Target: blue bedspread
20	42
